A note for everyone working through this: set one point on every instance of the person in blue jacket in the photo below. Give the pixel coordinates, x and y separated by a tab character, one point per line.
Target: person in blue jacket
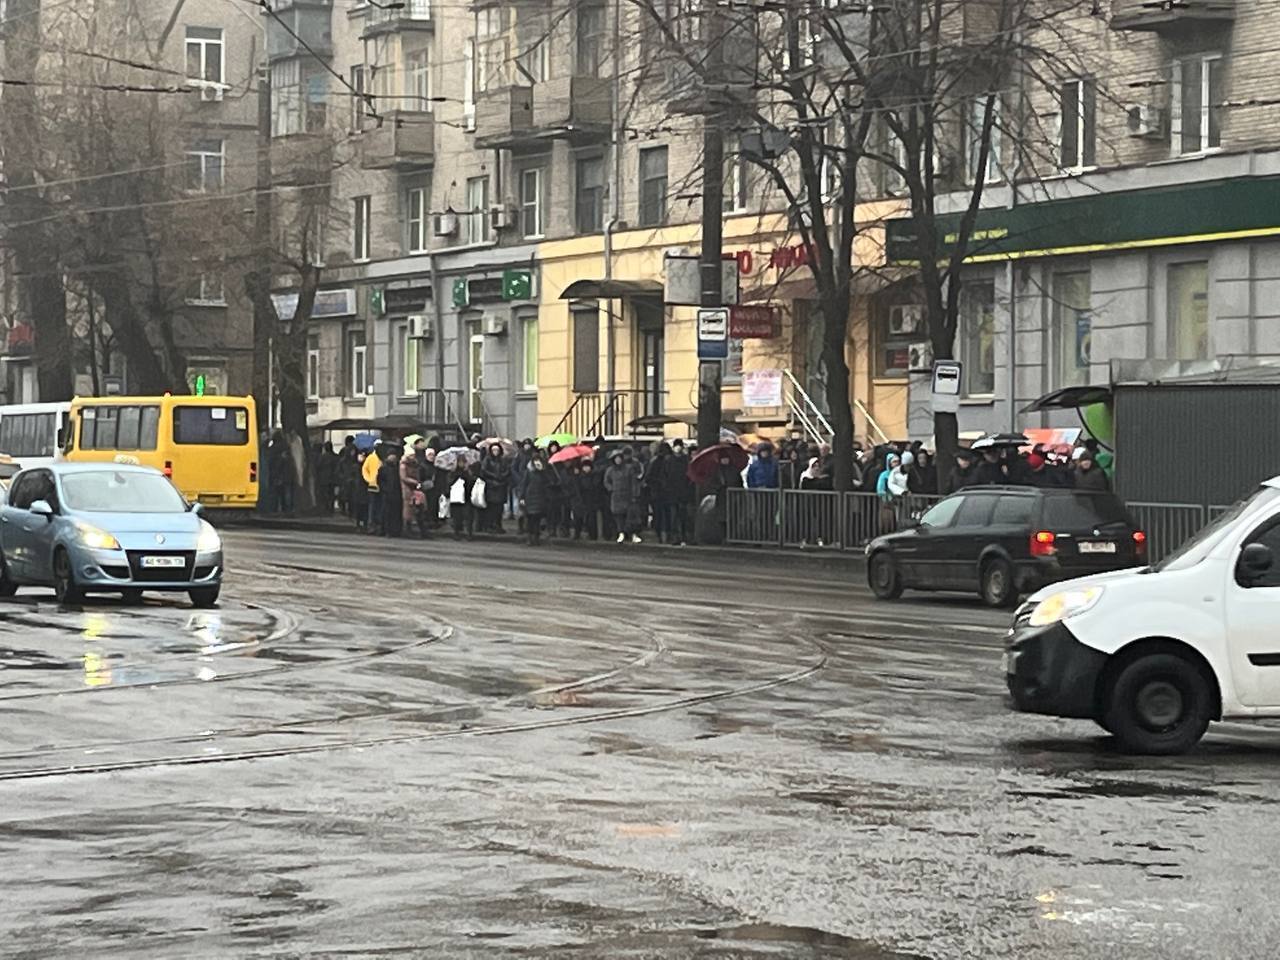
763	472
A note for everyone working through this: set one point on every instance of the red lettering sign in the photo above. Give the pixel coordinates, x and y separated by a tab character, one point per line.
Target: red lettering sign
755	322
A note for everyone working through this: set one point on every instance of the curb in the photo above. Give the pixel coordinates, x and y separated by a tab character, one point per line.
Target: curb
821	557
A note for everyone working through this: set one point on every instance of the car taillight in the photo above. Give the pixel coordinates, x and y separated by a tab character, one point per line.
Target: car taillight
168	468
253	471
1042	544
1139	543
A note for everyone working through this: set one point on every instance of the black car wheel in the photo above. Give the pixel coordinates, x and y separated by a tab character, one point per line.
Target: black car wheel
1159	704
204	596
997	585
883	576
65	587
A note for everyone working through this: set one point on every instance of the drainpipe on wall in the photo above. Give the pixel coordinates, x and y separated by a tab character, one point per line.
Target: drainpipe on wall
615	200
1009	272
438	310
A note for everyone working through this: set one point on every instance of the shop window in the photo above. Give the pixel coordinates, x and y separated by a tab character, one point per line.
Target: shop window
898	327
978	337
1072	327
1189	310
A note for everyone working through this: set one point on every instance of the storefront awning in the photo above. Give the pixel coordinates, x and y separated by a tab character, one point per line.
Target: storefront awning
611	289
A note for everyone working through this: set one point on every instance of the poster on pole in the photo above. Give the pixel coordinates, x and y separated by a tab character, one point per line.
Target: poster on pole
762	388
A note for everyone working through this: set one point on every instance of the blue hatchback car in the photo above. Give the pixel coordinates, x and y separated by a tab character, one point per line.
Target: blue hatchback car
105	528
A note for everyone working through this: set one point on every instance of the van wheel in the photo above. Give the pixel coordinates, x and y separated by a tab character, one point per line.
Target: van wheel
1159	704
65	587
883	576
996	584
204	596
7	587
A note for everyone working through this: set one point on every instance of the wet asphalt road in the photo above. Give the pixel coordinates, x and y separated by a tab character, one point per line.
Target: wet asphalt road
479	750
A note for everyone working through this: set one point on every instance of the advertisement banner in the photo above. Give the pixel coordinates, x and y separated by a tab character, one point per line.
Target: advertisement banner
762	388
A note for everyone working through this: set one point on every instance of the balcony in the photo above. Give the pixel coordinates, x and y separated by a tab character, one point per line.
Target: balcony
578	109
414	15
310	20
1159	16
406	138
302	159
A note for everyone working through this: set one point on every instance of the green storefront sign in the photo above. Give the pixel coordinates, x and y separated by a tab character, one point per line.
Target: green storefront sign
1219	210
517	284
377	301
461	292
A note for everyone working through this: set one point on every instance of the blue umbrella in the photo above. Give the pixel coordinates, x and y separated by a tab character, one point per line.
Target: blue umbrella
366	442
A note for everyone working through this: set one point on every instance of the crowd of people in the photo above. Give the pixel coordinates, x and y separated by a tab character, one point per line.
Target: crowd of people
624	491
615	492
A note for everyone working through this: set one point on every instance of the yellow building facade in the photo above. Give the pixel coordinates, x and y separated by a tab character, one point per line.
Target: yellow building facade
610	351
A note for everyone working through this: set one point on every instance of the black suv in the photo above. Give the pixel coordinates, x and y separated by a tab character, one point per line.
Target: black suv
1004	541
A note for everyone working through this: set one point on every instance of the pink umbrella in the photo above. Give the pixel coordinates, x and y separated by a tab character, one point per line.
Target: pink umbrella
575	451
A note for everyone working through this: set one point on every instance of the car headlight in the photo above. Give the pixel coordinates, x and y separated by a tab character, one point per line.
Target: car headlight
96	539
1065	603
209	541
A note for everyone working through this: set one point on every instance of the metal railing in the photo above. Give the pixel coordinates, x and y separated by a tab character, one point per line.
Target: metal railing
807	413
605	413
848	521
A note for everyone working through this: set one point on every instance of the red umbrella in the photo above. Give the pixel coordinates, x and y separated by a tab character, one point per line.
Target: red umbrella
706	462
575	451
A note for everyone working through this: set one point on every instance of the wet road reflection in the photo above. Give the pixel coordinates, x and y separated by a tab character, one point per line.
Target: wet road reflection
427	757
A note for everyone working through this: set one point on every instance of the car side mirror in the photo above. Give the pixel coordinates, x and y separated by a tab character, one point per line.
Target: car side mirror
1256	560
197	508
41	508
912	523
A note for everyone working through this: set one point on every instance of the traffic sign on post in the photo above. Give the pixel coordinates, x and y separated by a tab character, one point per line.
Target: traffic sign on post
946	386
713	333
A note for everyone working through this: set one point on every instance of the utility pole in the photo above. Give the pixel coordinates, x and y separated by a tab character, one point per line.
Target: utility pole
709	266
264	318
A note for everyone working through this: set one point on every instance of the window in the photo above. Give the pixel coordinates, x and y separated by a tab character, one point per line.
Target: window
533	201
28	434
205	61
360	212
735	178
416	207
476	220
1188	310
653	186
975	511
385	89
975	117
1195	98
418	81
119	427
418	9
589	55
1072	327
978	338
941	514
317	105
356	383
208	290
1083	511
359	109
1014	511
469	85
206	162
529	353
589	202
219	426
313	367
586	349
491	48
1079	123
286	98
532	62
408	352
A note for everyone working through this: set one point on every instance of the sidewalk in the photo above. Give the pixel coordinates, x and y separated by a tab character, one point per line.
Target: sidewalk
829	558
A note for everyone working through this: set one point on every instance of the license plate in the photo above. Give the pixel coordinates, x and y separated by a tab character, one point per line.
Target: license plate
1090	546
163	562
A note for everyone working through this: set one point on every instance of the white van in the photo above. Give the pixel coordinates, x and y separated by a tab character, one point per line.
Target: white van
1154	653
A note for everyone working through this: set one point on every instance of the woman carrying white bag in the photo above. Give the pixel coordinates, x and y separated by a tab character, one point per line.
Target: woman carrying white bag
462	488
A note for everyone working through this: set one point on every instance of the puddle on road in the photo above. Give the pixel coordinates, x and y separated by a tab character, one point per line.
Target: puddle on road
746	940
1122	789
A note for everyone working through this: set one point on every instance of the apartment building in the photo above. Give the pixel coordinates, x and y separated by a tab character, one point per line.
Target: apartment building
1146	224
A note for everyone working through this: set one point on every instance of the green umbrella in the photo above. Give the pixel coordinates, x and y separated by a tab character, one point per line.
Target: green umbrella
564	439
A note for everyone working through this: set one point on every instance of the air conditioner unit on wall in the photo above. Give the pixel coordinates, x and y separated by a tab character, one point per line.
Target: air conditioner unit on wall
444	224
495	327
1146	121
499	217
905	318
920	356
421	327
